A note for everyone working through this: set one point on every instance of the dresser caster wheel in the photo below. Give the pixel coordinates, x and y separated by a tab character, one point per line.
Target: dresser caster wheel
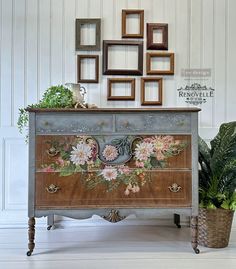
196	250
49	227
28	253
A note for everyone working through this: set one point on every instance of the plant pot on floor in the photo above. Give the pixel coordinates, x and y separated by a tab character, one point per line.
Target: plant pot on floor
214	227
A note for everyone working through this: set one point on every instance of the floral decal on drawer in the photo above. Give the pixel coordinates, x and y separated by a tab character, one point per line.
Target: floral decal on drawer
113	162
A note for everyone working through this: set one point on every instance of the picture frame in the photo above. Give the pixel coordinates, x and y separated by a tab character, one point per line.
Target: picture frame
78	39
125	14
111	81
80	78
145	80
150	56
151	44
108	71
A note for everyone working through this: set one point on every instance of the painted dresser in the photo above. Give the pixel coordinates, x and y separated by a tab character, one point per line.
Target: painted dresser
113	163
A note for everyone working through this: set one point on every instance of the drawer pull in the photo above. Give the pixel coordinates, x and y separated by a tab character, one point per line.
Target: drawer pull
174	187
126	124
52	152
52	188
101	124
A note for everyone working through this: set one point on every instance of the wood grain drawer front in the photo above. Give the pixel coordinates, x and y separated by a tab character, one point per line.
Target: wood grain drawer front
166	189
50	150
73	123
153	122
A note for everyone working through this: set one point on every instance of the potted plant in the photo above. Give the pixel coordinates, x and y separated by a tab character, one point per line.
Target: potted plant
217	184
54	97
69	96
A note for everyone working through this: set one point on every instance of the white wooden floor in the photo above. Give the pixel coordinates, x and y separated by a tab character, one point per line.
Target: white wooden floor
112	247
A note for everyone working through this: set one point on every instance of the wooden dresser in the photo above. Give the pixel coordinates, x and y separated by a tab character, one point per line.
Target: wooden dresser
112	163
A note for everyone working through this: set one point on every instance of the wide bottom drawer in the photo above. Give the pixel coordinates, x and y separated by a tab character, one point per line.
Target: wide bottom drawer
163	189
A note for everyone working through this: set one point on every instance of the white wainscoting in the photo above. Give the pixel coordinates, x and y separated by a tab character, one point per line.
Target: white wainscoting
37	49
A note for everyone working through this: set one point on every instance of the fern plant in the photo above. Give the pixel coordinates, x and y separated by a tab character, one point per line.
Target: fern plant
54	97
217	174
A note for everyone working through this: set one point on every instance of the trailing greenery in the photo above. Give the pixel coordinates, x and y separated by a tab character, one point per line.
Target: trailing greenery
54	97
217	174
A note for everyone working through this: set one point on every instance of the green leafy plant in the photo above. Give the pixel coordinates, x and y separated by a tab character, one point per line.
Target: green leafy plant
54	97
217	174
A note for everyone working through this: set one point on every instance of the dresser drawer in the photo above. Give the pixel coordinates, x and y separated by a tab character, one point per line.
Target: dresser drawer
53	150
73	123
165	189
153	122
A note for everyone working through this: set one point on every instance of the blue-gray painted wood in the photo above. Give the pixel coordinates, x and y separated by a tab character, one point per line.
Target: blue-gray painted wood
134	123
194	128
153	122
138	212
31	188
103	123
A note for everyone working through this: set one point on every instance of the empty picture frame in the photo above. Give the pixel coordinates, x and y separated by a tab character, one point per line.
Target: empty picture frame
82	60
88	34
160	63
121	81
108	45
128	14
157	36
156	91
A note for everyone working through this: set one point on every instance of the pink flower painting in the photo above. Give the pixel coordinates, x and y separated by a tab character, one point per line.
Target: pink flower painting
110	153
109	173
133	160
80	154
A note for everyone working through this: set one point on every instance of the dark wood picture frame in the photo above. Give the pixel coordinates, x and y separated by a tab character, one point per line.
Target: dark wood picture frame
144	80
150	56
79	75
125	13
111	81
78	24
151	45
109	43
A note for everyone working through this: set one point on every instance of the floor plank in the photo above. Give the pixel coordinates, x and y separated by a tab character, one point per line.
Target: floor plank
111	246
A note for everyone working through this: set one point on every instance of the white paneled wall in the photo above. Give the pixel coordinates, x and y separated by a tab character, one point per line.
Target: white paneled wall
37	49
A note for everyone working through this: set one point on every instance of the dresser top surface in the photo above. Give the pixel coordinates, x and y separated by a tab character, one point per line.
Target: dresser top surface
111	110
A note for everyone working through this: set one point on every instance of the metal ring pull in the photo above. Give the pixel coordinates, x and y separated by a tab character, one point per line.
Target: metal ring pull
174	187
52	151
52	188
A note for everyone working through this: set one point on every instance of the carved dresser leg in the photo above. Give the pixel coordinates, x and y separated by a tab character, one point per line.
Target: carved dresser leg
194	233
31	233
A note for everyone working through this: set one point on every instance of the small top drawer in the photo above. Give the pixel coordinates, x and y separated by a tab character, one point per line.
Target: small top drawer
73	123
153	122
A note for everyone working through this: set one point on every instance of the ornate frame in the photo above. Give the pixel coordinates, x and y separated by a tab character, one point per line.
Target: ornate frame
169	55
78	24
109	43
125	13
79	60
151	79
111	81
150	29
